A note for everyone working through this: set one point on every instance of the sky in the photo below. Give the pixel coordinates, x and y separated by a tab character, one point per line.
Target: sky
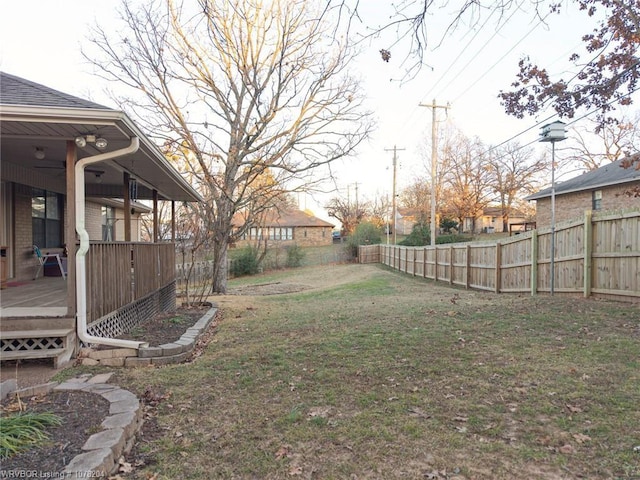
41	40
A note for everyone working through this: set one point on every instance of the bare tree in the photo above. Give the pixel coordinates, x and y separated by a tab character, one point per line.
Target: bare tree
379	210
237	87
417	197
514	172
467	182
614	141
349	213
407	32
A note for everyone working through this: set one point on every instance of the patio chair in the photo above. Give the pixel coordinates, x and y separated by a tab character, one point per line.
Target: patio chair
47	259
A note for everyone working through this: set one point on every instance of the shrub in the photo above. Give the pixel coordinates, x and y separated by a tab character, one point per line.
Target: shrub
366	233
452	239
246	263
448	224
295	255
420	235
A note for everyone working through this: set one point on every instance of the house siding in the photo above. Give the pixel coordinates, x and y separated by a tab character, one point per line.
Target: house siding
570	206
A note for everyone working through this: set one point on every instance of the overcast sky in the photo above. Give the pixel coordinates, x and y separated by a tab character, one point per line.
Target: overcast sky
41	39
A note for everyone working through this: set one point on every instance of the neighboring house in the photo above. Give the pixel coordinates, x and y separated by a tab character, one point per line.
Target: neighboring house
286	227
603	189
490	221
406	218
70	175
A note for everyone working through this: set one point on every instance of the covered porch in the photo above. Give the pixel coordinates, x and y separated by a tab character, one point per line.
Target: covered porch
63	157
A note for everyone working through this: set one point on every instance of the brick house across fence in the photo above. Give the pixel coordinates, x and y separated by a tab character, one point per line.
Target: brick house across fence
286	227
603	189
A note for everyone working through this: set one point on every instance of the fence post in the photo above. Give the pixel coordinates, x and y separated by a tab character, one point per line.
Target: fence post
451	265
534	262
424	262
435	263
588	253
498	264
414	260
468	268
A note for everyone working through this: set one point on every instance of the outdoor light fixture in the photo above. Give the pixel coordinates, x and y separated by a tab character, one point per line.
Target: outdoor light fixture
553	132
101	143
39	153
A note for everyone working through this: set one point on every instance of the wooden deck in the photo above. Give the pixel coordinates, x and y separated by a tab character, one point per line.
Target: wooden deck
44	297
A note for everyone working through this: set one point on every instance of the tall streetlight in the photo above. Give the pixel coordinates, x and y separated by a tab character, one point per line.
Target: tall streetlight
553	132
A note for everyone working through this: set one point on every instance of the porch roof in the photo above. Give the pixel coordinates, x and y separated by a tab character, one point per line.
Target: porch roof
35	117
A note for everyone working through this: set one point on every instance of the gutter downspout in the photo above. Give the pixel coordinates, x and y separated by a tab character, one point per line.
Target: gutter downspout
81	264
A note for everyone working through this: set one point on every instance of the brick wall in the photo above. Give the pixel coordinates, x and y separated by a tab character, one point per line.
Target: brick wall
25	261
312	236
93	220
571	206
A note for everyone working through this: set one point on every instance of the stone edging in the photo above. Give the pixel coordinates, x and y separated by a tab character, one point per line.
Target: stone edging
166	354
103	449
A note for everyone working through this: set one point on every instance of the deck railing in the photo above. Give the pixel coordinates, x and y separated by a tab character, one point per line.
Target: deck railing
597	256
120	273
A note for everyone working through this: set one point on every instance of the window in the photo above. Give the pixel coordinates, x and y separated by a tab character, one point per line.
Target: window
46	218
108	224
596	200
272	233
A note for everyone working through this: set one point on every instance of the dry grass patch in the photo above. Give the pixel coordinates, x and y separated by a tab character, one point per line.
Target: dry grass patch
367	373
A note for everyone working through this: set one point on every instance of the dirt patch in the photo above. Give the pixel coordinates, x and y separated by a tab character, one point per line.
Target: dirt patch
81	414
272	288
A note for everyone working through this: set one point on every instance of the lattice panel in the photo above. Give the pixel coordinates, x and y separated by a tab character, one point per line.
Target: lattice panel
31	344
126	318
168	298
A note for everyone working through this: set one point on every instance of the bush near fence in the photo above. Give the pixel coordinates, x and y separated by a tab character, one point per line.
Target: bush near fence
596	256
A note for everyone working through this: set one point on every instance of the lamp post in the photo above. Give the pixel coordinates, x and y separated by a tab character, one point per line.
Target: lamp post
553	132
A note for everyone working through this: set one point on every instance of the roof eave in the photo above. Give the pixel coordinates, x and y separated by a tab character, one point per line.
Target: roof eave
99	117
547	192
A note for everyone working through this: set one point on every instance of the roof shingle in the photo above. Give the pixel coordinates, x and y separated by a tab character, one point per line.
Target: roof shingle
19	91
608	175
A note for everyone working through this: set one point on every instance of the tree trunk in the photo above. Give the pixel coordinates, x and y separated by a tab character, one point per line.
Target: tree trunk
220	256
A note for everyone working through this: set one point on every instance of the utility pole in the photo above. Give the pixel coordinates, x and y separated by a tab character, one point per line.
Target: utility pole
434	163
393	199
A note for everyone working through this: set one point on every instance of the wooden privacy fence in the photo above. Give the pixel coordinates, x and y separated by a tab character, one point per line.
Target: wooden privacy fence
119	273
597	256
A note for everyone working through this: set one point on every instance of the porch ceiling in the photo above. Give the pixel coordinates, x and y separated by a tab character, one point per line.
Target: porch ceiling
23	129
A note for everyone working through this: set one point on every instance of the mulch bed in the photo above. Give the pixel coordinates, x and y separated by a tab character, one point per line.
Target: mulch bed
166	327
82	412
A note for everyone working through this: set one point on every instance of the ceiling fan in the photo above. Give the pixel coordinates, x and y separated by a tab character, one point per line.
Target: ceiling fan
63	165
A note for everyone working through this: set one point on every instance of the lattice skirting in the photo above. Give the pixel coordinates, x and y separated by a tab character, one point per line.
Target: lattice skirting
126	318
31	344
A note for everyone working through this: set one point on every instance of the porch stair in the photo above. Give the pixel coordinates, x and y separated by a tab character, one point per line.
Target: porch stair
31	344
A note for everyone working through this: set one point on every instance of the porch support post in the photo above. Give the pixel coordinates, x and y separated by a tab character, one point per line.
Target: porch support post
127	206
70	230
173	221
155	217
